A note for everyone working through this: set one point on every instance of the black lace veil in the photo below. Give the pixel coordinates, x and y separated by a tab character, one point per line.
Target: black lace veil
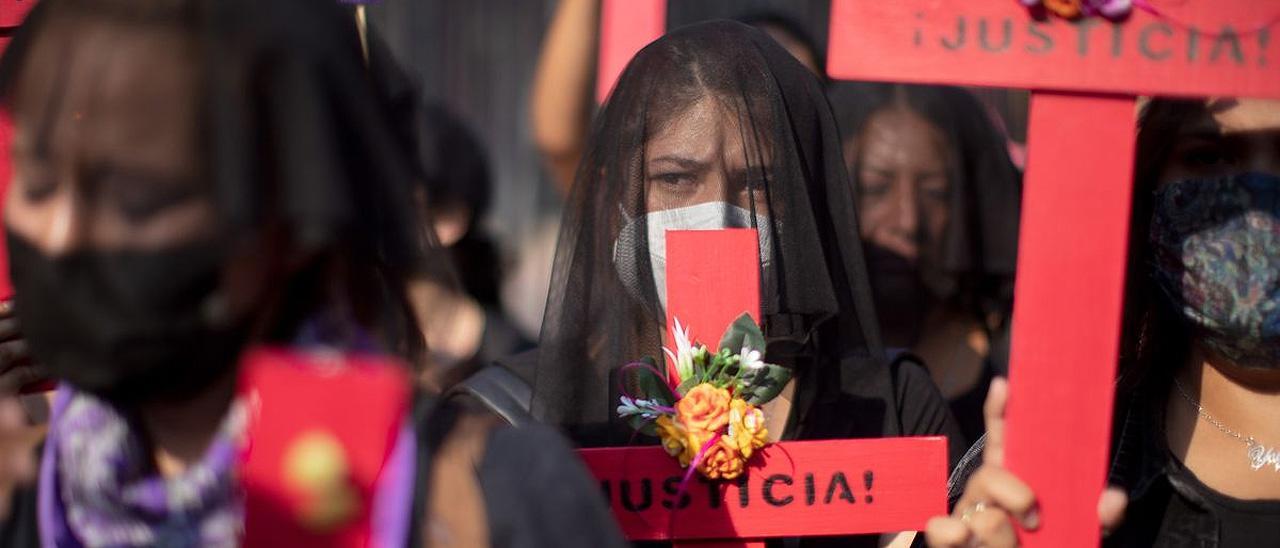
713	125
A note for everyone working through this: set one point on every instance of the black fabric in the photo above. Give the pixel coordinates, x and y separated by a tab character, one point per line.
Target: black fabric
542	497
536	491
297	144
782	165
973	265
500	391
125	325
967	406
20	529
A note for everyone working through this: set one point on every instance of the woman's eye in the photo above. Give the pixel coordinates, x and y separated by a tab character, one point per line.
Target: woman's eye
934	188
874	188
1204	156
37	188
37	183
139	199
674	179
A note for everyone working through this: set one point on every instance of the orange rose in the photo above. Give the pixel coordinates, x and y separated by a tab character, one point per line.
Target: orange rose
722	461
1066	9
746	427
705	408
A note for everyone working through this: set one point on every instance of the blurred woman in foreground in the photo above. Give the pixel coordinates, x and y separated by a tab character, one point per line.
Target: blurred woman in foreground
192	178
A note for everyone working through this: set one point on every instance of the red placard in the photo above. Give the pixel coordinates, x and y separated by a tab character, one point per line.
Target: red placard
1067	307
799	488
1192	47
713	276
626	27
12	12
291	400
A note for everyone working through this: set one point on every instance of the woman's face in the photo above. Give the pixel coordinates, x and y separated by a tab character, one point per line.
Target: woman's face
106	145
902	175
703	154
1229	136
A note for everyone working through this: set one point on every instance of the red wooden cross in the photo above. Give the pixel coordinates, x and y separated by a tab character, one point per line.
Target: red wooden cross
793	489
1084	76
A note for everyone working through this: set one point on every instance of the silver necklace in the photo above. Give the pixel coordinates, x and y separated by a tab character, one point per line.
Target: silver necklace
1259	455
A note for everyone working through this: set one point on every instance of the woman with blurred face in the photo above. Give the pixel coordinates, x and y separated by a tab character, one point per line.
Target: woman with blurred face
1196	444
938	201
191	178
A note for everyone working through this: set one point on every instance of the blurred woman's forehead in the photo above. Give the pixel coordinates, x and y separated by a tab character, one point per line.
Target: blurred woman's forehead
130	93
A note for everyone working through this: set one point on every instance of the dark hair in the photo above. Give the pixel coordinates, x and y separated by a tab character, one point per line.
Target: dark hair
791	27
978	254
455	173
1153	341
297	146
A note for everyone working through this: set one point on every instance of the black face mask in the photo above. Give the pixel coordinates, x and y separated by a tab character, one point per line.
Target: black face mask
127	325
902	298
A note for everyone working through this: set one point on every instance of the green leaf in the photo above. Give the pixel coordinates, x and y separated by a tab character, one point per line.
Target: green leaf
687	385
643	425
700	365
742	333
763	384
645	382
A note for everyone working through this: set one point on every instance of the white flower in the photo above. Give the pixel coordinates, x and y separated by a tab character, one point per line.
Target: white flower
683	356
750	359
644	408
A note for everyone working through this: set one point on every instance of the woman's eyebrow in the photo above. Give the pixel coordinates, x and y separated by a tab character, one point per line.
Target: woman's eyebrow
682	161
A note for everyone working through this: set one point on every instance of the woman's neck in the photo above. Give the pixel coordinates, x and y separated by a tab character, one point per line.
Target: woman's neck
1242	400
181	432
954	348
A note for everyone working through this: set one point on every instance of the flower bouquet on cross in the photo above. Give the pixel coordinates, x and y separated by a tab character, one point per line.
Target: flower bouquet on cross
706	409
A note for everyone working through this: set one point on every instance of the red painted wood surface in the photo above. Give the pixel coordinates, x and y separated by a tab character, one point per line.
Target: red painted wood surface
906	487
626	26
291	394
713	277
12	12
1067	304
1194	47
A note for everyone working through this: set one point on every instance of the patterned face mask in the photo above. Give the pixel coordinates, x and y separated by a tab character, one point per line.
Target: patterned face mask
1216	245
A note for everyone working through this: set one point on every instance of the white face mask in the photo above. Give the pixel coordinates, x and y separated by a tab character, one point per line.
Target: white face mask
704	216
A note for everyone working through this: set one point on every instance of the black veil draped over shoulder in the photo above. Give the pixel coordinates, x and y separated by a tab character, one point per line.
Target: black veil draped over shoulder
295	139
714	113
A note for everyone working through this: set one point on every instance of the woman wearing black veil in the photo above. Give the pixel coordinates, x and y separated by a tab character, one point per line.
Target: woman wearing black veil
712	126
938	200
193	178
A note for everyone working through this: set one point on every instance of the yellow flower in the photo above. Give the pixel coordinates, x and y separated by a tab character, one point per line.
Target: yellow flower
746	427
722	461
672	435
705	408
694	440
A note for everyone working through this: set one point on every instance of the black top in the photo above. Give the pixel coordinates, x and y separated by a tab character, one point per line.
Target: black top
1168	505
